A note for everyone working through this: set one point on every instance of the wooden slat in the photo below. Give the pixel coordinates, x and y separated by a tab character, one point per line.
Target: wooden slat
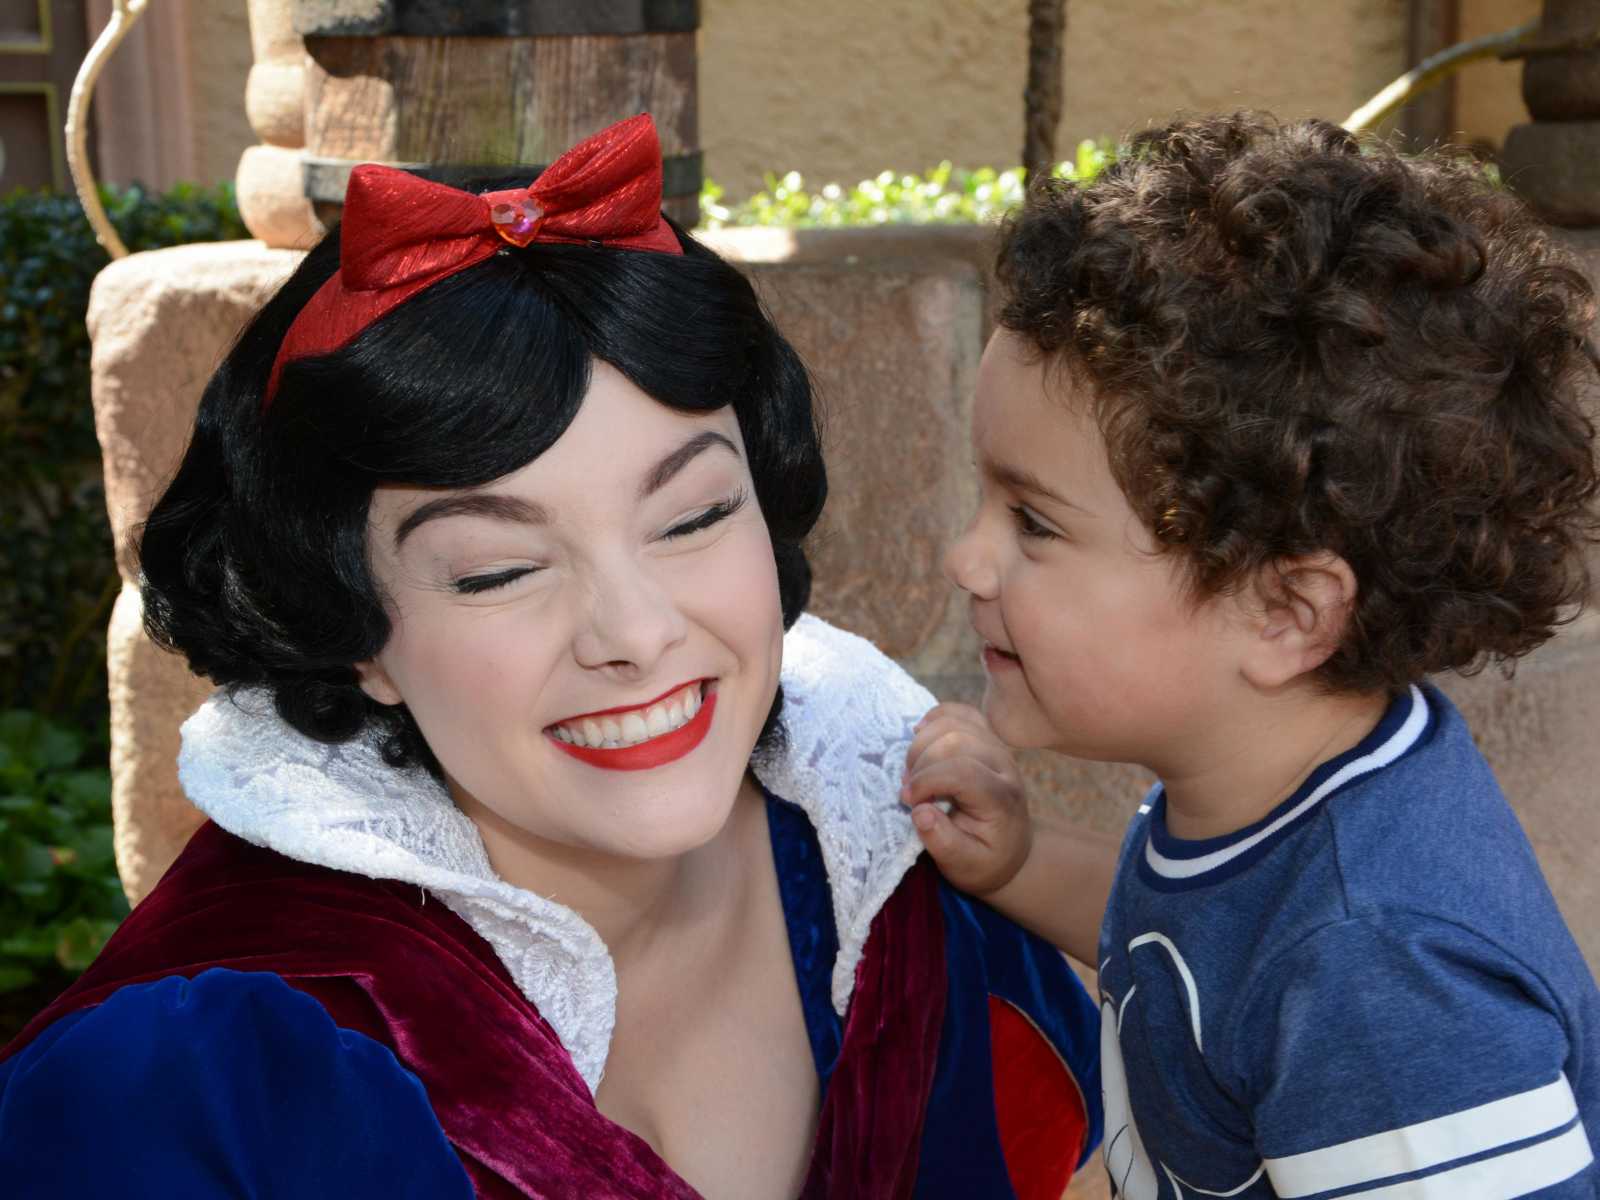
494	18
491	100
1432	26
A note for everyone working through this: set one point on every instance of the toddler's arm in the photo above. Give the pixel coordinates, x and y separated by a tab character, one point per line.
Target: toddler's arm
1047	875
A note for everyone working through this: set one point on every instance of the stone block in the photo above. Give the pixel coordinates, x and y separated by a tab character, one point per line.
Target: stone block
1537	729
272	199
924	245
161	321
1564	87
151	695
272	32
274	100
1555	167
893	346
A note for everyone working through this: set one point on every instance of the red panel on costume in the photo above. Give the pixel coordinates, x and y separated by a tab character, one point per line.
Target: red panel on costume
1037	1104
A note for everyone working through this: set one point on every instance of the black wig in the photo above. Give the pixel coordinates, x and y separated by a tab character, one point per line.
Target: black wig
255	562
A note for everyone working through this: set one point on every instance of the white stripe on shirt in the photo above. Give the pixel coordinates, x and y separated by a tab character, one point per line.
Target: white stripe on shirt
1399	742
1504	1177
1433	1143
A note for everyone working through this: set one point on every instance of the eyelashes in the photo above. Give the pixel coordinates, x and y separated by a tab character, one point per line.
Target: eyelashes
473	584
714	515
719	512
1028	526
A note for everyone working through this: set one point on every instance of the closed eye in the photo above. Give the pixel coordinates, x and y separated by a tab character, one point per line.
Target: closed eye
472	585
1028	525
706	518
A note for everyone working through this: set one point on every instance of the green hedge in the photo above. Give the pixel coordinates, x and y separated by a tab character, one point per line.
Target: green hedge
61	898
59	895
946	195
58	583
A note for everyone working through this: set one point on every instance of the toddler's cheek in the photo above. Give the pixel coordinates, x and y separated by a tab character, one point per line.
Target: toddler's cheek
1016	719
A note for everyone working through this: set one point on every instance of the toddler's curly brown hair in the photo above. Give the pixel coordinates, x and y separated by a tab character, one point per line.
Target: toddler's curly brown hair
1295	342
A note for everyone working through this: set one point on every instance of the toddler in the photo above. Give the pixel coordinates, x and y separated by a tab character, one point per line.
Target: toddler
1274	427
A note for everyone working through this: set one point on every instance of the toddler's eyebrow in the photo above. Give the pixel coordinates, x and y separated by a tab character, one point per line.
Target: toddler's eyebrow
1020	479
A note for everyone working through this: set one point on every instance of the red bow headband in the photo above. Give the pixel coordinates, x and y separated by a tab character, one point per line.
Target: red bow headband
401	234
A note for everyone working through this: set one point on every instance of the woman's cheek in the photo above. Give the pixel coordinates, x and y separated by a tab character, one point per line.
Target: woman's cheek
737	579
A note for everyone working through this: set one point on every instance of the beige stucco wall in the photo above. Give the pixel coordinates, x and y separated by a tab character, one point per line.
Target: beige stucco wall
849	88
1489	94
840	89
220	37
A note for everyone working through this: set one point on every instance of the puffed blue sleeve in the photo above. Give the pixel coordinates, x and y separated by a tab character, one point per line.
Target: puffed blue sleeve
231	1084
1001	1120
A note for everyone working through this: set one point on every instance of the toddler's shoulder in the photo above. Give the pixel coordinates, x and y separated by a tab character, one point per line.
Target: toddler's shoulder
1433	834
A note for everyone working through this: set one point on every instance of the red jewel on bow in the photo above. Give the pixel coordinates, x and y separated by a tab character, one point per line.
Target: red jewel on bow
517	221
401	234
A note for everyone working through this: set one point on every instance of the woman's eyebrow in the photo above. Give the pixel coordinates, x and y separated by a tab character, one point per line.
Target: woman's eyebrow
662	473
472	504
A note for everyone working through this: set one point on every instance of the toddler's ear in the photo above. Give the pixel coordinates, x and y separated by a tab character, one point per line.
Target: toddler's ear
375	682
1302	607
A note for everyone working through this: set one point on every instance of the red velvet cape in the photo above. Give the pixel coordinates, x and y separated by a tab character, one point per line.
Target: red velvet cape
386	961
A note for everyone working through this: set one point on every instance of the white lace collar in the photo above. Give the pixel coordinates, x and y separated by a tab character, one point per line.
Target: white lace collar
848	711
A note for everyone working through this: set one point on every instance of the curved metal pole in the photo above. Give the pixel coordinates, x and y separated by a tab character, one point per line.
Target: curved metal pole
1437	68
123	17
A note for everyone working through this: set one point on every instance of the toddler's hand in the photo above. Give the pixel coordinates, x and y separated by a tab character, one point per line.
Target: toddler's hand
982	841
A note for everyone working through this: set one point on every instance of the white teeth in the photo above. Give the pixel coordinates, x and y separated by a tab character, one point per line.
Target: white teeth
631	728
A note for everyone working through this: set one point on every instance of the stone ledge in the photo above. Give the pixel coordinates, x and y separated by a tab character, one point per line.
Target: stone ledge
893	341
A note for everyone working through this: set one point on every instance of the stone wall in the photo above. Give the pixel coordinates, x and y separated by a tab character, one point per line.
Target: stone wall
893	342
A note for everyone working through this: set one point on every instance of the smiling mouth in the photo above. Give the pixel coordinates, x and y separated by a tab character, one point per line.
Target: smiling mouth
619	728
647	735
992	654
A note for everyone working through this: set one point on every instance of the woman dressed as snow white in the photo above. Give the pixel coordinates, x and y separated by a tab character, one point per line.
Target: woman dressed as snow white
541	860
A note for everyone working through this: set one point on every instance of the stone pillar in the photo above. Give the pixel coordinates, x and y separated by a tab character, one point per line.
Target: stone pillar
270	184
1554	161
160	321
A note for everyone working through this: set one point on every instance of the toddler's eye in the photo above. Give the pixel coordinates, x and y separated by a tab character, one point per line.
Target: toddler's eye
714	515
1028	525
474	584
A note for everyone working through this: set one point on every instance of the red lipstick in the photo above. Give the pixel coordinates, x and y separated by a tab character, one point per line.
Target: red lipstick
656	752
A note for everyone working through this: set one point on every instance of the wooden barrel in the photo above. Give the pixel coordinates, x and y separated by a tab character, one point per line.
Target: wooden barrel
468	88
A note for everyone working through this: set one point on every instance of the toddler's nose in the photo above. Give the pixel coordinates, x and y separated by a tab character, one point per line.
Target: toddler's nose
970	566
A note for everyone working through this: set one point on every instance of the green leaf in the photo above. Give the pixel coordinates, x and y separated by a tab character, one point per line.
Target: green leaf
34	943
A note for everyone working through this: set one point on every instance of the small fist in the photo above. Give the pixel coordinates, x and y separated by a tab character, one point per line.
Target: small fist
981	838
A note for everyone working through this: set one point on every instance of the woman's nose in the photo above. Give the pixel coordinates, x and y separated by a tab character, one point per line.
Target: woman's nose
969	562
631	624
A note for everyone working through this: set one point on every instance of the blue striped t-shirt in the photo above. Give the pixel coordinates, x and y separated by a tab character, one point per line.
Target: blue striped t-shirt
1369	993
